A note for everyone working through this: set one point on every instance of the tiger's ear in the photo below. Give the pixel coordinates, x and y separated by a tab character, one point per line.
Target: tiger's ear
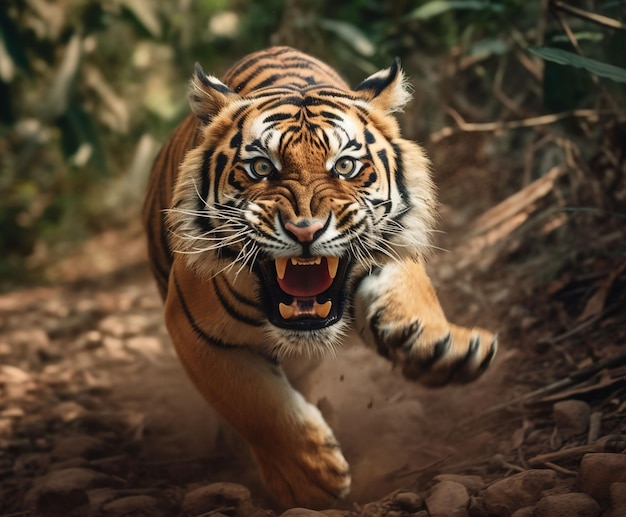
387	89
208	95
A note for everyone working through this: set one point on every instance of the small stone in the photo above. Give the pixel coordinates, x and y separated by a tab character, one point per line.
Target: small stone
12	412
31	464
598	471
148	346
67	411
335	513
87	447
571	417
528	511
617	500
408	501
127	325
448	499
135	505
63	492
301	512
567	505
217	495
472	483
507	495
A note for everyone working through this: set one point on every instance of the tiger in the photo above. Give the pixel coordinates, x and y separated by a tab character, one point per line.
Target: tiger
283	211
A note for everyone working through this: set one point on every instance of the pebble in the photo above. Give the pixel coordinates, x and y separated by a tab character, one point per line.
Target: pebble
120	326
448	499
571	417
408	501
64	491
527	511
148	346
617	504
508	495
83	446
134	505
598	471
67	411
301	512
472	483
31	464
567	505
217	495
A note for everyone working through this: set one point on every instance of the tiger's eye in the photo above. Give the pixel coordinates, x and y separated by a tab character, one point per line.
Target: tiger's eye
262	167
345	166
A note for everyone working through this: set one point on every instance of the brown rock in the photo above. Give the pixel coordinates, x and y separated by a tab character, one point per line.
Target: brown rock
528	511
63	493
31	464
448	499
617	503
81	446
571	417
408	501
598	471
508	495
67	411
135	506
567	505
218	495
472	483
301	512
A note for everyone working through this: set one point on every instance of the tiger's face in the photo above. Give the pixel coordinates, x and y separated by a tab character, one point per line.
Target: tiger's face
303	189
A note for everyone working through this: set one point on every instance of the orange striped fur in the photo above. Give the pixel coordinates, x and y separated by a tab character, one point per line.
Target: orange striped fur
285	209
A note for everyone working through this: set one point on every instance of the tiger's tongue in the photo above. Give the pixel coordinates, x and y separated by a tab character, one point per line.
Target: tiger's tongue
305	281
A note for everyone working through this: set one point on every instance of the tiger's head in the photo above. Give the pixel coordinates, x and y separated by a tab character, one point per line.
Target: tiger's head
298	190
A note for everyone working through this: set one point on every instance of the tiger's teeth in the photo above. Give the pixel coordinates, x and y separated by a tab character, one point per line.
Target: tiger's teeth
322	310
281	265
333	264
286	311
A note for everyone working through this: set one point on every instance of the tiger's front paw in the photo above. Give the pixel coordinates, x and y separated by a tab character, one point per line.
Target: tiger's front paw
434	354
308	471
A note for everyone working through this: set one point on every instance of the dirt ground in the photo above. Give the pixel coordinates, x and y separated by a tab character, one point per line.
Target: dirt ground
98	419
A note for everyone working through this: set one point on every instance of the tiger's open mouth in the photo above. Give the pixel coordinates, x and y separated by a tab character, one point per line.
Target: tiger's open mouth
304	293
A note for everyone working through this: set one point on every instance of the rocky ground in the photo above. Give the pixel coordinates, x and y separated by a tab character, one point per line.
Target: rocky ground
98	420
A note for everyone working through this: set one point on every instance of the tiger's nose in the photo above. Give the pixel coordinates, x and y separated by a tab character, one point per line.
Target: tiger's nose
304	231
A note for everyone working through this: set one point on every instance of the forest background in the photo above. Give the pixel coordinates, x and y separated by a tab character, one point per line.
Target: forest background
89	90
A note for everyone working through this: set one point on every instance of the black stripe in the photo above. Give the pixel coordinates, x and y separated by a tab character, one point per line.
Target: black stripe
192	322
247	63
220	165
239	297
404	193
382	156
232	311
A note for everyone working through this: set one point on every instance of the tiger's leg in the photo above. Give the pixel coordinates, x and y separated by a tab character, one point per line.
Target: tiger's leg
298	456
398	313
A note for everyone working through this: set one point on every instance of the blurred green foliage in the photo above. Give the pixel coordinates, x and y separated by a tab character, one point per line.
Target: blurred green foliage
90	88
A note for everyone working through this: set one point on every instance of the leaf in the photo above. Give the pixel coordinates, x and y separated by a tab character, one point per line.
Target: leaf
80	139
145	14
437	7
60	91
12	53
350	34
489	46
563	57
